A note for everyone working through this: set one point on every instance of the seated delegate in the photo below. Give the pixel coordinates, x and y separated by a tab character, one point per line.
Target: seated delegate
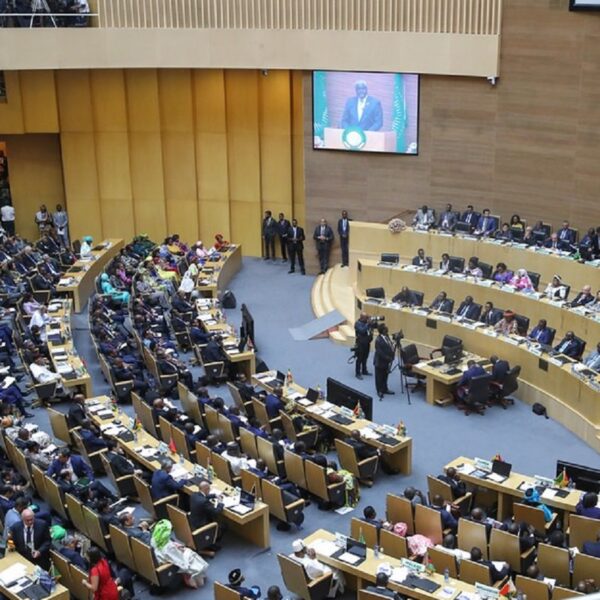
424	218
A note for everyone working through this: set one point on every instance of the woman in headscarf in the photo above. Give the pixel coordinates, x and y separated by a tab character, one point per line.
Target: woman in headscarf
507	324
521	281
186	560
201	251
109	290
220	242
86	246
532	498
555	290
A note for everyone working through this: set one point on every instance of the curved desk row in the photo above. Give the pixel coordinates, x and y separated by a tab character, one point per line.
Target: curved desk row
570	398
369	240
215	275
585	324
79	281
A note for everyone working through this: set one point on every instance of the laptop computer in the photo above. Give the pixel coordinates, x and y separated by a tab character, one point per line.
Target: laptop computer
312	395
500	471
247	499
278	380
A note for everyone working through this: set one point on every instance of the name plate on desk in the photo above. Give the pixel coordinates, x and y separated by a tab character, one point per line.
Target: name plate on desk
445	318
485	283
556	362
412	565
490	332
486	591
485	465
535	350
512	340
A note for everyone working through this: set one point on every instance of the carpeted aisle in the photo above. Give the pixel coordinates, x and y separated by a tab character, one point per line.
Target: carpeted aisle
277	301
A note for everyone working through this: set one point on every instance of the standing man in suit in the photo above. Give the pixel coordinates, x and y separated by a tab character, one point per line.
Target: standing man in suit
269	231
282	231
468	309
32	540
295	240
362	110
323	237
344	233
384	356
364	336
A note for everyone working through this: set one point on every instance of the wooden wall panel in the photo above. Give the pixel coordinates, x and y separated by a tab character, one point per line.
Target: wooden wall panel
40	110
297	109
275	131
11	111
74	96
35	177
212	172
243	155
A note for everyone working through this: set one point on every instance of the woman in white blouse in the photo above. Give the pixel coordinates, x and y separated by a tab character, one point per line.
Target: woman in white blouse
555	290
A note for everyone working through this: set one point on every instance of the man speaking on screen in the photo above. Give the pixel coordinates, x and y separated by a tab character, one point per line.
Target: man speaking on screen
362	110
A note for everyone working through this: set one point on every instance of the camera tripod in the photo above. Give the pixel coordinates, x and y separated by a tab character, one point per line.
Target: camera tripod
397	337
39	7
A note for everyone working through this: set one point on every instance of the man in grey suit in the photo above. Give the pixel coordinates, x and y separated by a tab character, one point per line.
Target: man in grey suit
323	237
362	110
447	221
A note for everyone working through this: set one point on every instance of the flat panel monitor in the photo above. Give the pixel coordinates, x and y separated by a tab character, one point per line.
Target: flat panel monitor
366	111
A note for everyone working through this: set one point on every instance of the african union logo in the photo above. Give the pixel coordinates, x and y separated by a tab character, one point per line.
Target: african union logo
354	138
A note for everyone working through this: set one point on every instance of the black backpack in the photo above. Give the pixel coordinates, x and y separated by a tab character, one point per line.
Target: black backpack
540	410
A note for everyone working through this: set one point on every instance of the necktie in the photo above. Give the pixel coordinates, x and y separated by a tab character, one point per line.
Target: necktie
484	223
322	231
28	538
294	233
463	312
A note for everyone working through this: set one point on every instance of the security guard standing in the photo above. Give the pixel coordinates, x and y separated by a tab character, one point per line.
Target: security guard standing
364	336
383	359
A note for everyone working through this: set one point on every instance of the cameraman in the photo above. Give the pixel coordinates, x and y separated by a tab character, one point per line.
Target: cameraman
384	357
363	330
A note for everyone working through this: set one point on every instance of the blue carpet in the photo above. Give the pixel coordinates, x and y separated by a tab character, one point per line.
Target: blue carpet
278	300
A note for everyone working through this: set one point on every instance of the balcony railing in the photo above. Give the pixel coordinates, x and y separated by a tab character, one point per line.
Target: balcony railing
476	17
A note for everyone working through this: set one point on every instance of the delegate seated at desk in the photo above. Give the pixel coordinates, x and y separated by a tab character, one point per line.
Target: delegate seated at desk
468	309
405	297
380	587
441	303
473	370
420	260
592	360
508	324
424	218
447	220
163	484
569	346
486	225
541	333
583	298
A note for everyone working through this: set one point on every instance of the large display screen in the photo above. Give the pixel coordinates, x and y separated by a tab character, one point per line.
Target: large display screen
366	112
584	5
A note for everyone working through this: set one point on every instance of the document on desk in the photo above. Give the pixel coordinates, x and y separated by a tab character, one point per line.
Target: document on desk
399	574
241	509
179	472
349	558
324	547
305	402
13	573
549	493
446	592
495	477
467	469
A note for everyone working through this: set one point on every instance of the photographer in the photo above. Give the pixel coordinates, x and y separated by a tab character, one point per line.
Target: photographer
384	356
363	330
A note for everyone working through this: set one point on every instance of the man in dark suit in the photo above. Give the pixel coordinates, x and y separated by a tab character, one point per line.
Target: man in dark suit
344	233
441	303
274	403
452	478
470	217
323	236
90	437
163	484
76	412
569	346
420	260
584	297
364	336
71	552
500	369
380	587
31	538
496	574
541	333
362	110
553	243
566	237
473	370
486	224
592	548
384	356
295	240
236	579
362	450
448	519
282	231
489	315
269	231
447	221
468	309
204	507
405	297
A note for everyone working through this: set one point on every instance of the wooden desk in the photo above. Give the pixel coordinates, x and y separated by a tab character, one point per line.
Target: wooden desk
398	457
213	321
209	282
369	240
12	558
440	384
586	325
508	491
63	317
570	399
253	526
82	284
365	573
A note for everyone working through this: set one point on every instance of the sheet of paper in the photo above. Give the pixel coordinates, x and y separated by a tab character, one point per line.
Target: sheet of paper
349	558
324	547
549	493
467	468
399	574
13	573
241	509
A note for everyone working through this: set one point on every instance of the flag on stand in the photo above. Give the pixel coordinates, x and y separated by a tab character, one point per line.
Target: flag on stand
562	479
172	446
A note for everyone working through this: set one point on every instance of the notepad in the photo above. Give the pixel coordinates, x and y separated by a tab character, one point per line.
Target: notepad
349	558
324	547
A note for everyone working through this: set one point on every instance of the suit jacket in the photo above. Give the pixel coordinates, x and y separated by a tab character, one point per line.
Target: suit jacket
79	466
362	450
459	488
76	414
416	261
384	352
592	549
282	228
472	218
410	299
119	464
298	241
448	520
449	218
442	306
340	228
582	299
486	225
74	557
202	510
549	243
269	227
499	370
328	235
543	336
571	349
163	485
273	405
213	353
371	118
41	541
474	371
91	441
469	311
566	237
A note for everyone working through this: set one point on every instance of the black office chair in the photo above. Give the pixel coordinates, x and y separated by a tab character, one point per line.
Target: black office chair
477	396
486	269
503	389
457	264
463	227
409	355
522	324
448	341
582	344
535	279
497	314
517	233
477	312
378	293
420	296
552	334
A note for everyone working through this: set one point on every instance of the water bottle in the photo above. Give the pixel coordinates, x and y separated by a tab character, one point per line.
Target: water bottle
519	595
181	459
446	576
376	551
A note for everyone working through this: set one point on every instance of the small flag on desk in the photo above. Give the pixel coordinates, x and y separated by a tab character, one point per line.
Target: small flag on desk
498	457
172	446
562	480
508	589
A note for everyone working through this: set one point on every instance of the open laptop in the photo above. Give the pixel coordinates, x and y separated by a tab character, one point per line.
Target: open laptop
500	471
354	553
279	380
312	395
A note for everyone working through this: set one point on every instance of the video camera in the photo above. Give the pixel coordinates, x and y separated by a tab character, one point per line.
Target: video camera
374	321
